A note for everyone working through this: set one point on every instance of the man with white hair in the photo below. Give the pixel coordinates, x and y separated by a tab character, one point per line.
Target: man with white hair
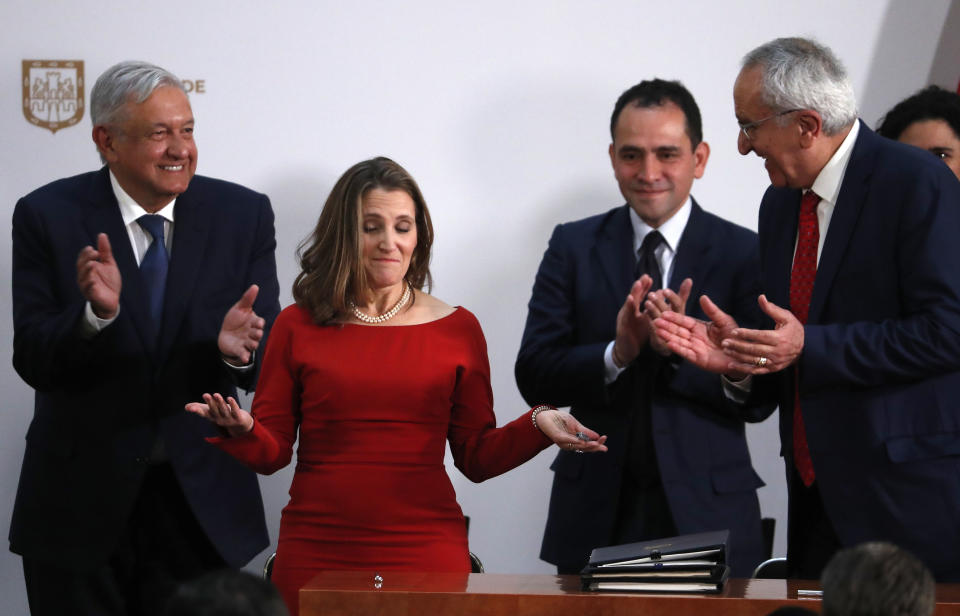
861	278
136	289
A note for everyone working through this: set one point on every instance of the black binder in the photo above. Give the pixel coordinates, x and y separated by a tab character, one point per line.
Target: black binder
687	563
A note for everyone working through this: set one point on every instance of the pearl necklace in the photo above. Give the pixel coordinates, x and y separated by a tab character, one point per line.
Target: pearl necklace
386	316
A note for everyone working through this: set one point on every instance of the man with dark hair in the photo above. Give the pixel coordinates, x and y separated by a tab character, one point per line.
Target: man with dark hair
678	459
930	119
877	579
861	277
136	289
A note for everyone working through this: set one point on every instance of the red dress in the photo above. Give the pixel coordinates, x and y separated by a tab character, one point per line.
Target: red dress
374	407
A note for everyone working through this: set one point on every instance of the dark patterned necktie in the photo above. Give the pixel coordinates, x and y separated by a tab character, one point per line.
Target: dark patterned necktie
153	267
801	289
647	262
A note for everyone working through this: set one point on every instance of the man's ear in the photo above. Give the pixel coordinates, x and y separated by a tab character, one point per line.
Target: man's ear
105	141
700	155
811	127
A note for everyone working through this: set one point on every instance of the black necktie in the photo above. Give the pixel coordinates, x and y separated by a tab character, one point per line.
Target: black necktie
641	459
647	262
153	267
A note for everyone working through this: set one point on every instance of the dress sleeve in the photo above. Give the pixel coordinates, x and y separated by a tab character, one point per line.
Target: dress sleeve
480	449
276	407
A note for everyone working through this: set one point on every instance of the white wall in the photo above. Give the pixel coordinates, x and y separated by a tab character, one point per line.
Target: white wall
499	109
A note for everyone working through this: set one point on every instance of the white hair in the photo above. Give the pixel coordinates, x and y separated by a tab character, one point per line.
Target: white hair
125	82
799	73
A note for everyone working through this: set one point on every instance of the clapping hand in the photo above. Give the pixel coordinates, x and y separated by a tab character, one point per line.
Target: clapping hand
99	278
568	433
762	351
700	342
633	326
242	330
226	414
665	300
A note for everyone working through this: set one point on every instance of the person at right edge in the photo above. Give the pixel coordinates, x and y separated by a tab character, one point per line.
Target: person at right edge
678	461
861	275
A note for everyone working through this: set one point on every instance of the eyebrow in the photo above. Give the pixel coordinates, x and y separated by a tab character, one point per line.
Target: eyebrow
659	149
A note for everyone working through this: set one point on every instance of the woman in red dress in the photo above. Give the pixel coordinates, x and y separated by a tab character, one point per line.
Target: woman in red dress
376	376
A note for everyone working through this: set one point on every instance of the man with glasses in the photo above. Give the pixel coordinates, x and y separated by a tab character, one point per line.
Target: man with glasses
861	279
678	459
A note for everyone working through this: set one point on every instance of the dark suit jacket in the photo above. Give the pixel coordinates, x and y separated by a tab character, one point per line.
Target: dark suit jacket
701	450
880	368
101	403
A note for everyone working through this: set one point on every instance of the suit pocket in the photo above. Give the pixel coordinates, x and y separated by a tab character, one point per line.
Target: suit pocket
735	479
922	447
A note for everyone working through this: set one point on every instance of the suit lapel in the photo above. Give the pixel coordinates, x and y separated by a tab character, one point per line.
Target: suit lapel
693	252
191	226
614	250
846	212
781	240
104	217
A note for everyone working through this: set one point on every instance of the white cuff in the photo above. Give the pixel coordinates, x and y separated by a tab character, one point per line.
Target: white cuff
610	370
91	325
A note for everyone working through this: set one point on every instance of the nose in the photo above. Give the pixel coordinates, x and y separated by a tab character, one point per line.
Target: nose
387	241
648	169
744	146
178	146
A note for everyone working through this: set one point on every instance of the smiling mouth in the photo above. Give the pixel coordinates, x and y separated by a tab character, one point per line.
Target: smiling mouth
172	167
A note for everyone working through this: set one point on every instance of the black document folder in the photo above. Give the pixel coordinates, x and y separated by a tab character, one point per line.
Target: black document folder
687	563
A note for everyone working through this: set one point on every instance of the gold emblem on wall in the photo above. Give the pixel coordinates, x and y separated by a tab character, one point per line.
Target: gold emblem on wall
53	93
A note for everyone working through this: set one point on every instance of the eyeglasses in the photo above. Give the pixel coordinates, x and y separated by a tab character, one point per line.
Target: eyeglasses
749	126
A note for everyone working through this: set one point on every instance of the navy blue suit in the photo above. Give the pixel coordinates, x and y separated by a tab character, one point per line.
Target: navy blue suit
101	403
880	368
698	435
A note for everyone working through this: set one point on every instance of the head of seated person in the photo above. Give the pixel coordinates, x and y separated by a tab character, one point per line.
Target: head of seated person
930	119
877	579
226	592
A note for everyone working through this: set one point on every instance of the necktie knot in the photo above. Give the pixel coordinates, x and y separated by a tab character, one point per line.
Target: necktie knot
808	203
647	262
651	242
152	224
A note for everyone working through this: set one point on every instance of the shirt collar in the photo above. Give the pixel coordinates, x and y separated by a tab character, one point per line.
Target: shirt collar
671	230
827	184
130	210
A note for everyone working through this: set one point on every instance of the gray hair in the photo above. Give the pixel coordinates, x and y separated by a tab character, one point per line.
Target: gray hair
879	579
800	73
129	81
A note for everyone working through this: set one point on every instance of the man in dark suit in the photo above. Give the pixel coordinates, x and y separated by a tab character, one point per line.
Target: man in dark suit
860	267
678	459
136	289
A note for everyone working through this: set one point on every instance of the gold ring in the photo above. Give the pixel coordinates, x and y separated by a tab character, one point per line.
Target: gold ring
761	362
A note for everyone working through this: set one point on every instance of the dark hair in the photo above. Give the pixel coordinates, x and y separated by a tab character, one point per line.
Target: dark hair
930	103
227	592
656	93
876	579
330	258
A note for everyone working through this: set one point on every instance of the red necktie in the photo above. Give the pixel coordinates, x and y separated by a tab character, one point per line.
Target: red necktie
801	288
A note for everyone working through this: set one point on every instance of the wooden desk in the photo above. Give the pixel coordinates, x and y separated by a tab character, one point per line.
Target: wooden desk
333	593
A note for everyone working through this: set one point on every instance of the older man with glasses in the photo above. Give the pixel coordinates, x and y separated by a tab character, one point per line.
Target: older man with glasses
861	279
